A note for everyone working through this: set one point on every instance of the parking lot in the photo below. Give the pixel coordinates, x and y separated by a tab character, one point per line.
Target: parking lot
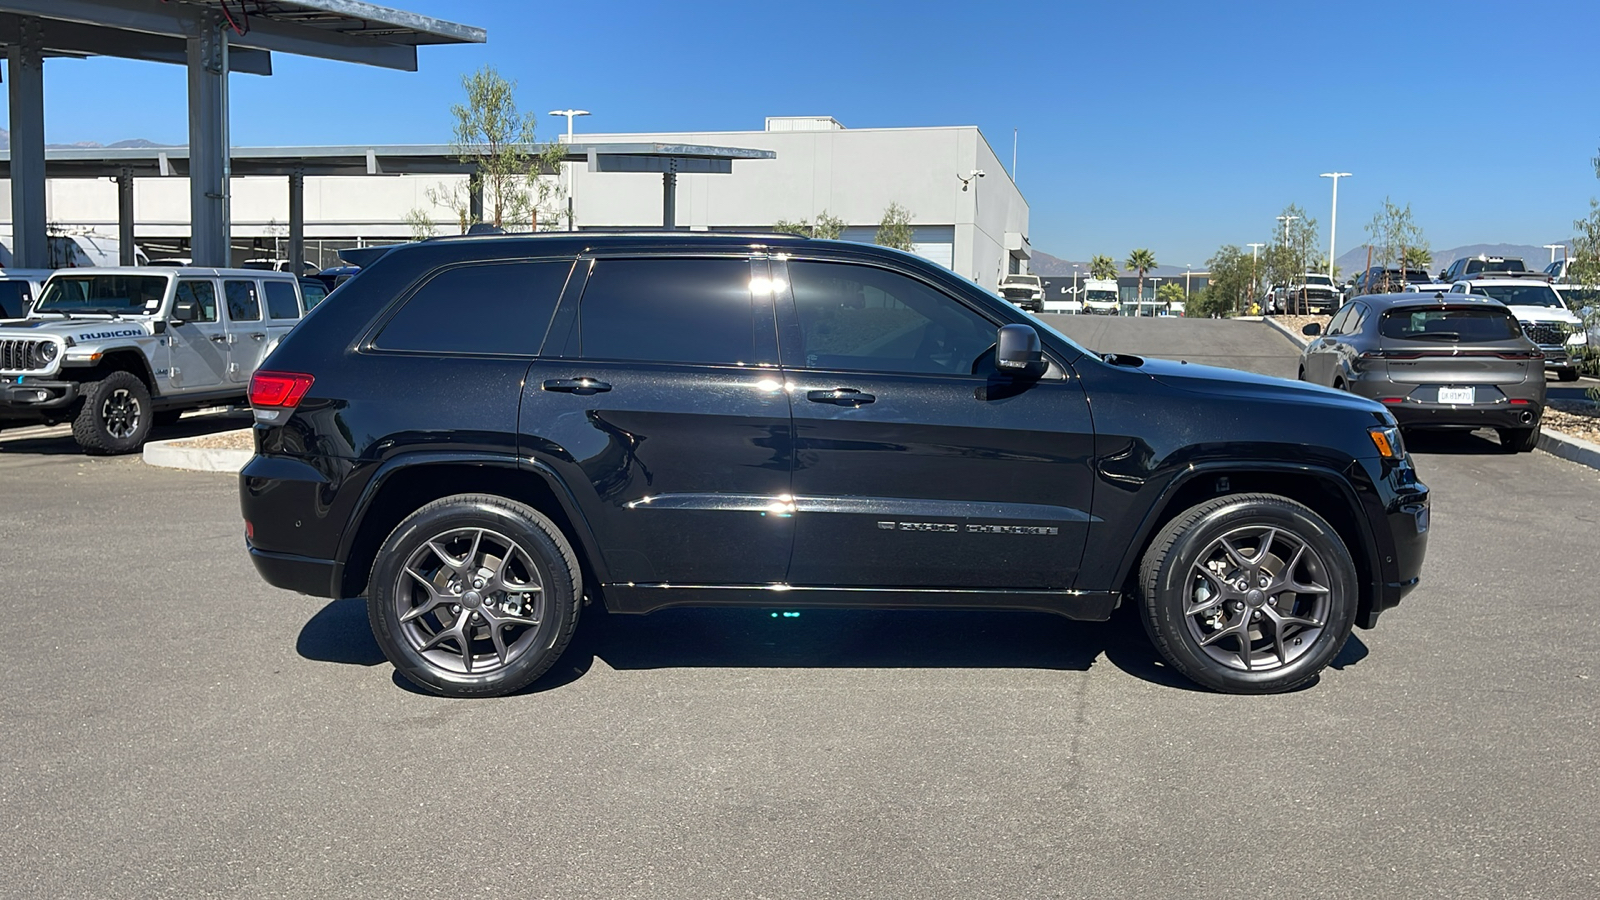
176	727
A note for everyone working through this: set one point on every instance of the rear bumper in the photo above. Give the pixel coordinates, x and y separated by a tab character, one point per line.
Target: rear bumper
27	393
1435	415
304	574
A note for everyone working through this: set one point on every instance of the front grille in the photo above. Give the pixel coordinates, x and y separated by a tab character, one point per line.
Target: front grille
23	355
1545	333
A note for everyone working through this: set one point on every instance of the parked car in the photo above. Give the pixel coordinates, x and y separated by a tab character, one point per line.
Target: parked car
1383	280
1314	294
18	289
312	292
1469	266
1452	362
1545	318
333	276
116	351
267	264
480	432
1026	292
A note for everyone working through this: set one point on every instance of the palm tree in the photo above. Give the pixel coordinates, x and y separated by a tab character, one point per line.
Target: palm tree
1141	261
1416	258
1102	267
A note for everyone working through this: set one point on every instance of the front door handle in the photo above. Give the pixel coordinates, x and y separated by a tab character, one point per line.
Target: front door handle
840	397
220	338
581	386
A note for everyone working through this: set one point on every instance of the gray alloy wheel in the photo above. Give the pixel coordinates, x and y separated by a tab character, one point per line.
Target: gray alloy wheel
115	416
474	595
1249	593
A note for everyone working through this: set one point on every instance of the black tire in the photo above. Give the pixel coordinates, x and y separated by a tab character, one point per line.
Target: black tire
166	418
1519	440
1169	578
115	415
466	658
1570	373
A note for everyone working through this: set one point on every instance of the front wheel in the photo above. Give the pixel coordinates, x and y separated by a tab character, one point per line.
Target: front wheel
1567	374
474	595
1249	593
115	416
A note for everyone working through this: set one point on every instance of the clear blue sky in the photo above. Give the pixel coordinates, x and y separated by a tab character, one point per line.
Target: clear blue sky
1177	126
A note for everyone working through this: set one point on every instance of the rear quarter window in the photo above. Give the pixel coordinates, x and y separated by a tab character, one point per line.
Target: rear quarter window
488	308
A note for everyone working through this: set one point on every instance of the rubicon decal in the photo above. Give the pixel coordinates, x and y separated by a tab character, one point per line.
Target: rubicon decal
102	335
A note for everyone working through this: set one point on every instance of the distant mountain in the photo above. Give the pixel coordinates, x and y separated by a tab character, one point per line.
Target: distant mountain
1352	262
140	143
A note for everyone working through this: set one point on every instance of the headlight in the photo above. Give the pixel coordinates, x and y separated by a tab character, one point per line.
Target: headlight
47	351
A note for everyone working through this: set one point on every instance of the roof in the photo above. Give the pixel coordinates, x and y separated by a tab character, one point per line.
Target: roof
347	30
175	270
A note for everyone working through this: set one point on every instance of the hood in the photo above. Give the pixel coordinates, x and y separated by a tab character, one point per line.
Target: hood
1544	314
1217	381
80	331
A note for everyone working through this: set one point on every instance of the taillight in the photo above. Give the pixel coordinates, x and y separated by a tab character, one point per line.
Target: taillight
1522	354
1518	401
272	390
1391	400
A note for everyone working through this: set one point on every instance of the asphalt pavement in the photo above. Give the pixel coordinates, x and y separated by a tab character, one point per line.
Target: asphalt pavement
175	727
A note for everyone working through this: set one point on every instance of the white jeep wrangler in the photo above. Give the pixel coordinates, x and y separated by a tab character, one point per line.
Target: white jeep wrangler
117	350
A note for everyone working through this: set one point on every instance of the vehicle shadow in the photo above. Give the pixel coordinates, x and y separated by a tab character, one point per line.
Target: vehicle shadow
813	638
38	439
1454	443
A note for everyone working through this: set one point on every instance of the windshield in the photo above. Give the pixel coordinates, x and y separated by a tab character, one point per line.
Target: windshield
1101	296
102	294
1521	294
1319	280
1455	324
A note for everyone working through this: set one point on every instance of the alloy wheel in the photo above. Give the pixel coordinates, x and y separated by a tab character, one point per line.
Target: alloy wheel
120	412
1257	599
470	601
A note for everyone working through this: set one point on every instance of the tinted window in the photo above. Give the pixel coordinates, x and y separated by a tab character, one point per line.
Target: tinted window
668	310
281	301
1337	326
867	319
490	308
14	297
203	295
243	304
1449	324
313	292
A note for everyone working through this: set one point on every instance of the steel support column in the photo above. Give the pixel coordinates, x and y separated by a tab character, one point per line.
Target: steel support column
669	199
297	221
30	245
209	233
125	254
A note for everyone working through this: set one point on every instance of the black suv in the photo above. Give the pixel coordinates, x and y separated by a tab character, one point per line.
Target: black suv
478	433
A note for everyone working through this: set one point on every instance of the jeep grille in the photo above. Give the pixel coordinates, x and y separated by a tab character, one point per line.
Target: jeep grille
23	355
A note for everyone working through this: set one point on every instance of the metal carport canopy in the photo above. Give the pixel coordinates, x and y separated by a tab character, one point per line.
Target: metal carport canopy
211	39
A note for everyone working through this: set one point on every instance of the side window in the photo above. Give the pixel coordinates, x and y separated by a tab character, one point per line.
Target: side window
1358	317
313	292
204	296
668	310
866	319
1339	321
494	308
243	304
281	301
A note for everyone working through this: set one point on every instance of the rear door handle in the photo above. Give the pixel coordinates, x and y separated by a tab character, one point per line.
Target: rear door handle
840	397
580	386
258	336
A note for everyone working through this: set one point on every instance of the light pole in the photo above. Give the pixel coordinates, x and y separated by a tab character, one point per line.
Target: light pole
1186	268
570	114
1074	278
1254	248
1155	291
1286	220
1553	248
1333	226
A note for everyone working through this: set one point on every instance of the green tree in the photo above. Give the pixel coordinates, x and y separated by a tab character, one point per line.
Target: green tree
1288	256
1392	232
1169	293
826	227
1583	266
1140	261
497	139
894	229
1229	285
802	227
1102	267
1417	258
421	224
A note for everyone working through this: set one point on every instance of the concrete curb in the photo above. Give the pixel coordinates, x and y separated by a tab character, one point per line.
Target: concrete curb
175	455
1570	448
1299	339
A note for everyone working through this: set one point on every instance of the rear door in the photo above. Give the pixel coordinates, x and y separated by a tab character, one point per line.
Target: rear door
283	311
247	330
916	464
666	413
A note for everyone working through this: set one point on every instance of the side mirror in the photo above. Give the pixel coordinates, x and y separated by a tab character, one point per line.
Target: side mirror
1311	329
184	310
1017	351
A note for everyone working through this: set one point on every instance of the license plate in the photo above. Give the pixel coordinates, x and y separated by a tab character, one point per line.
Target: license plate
1455	395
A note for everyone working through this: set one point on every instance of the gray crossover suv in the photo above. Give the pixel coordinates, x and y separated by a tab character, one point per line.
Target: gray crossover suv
1436	361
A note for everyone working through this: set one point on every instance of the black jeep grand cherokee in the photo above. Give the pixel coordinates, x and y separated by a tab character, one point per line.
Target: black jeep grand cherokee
480	432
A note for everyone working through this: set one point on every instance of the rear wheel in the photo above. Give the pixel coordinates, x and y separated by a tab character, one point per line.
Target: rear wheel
1249	593
1519	440
115	416
474	595
1570	373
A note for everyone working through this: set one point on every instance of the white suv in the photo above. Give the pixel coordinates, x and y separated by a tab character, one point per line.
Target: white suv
1545	318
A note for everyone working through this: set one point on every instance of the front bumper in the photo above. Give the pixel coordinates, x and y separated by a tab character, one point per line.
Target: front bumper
27	392
1400	514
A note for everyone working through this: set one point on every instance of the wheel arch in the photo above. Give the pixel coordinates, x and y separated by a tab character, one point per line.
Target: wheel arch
408	482
118	359
1328	493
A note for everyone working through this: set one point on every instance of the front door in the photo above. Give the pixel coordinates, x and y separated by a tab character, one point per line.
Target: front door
197	352
667	405
916	463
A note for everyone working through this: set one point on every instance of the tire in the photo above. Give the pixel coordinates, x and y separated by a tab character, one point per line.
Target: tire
1519	440
461	632
115	415
1569	373
166	418
1302	375
1226	647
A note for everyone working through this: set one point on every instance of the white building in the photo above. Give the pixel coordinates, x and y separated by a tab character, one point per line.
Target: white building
978	226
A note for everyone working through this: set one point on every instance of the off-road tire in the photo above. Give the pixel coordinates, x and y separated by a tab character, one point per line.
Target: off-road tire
1519	440
1166	569
115	415
544	547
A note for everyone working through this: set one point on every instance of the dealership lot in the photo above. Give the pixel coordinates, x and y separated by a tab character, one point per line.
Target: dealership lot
175	726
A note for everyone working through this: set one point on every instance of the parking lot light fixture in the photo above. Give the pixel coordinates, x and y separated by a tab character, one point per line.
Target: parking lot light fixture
1333	226
1553	248
570	115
